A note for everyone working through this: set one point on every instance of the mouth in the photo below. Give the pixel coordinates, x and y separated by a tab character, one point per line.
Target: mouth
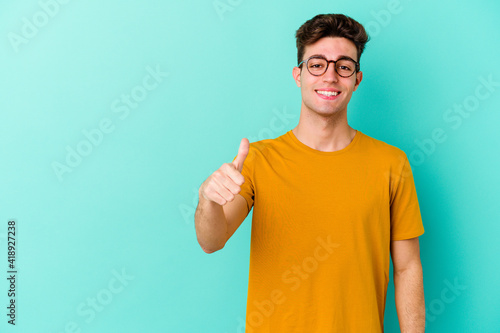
329	94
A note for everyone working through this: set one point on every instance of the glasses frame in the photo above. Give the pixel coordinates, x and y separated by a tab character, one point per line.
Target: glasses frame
356	69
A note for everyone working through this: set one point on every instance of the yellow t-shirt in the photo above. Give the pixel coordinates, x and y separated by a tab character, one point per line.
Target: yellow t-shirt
321	231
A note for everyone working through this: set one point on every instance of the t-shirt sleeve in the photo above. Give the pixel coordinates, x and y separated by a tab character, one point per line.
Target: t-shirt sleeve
247	189
406	221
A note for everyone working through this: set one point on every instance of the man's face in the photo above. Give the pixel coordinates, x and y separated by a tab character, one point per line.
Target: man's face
332	48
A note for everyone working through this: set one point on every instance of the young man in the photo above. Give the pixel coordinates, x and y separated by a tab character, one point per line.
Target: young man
331	205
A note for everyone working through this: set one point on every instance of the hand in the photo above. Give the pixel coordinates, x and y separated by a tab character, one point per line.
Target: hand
221	186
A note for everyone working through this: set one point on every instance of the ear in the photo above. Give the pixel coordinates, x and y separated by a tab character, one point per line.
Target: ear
359	77
296	75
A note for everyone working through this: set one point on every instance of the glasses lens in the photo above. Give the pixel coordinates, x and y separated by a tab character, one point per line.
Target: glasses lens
316	66
345	67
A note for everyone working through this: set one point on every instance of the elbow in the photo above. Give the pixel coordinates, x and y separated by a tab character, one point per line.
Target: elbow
208	250
211	247
211	250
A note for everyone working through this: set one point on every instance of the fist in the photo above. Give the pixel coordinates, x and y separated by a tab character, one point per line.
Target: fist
221	186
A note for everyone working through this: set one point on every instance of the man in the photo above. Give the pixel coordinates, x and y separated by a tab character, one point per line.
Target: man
331	205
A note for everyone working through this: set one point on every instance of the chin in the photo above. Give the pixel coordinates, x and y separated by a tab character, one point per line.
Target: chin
325	113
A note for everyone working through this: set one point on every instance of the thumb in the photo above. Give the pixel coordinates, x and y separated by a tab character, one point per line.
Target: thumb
242	154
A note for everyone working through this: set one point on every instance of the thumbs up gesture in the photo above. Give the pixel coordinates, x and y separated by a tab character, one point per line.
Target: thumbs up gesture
221	186
242	155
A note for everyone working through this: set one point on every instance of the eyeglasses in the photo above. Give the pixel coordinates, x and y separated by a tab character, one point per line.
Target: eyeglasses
318	65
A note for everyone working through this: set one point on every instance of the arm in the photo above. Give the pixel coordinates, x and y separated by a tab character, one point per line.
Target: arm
408	285
221	209
215	224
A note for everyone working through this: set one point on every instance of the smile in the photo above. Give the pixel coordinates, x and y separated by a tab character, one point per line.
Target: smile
327	94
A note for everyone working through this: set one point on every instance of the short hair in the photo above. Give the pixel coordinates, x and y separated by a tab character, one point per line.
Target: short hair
330	25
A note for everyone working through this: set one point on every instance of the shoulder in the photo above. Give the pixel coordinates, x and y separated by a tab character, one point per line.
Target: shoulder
267	146
382	150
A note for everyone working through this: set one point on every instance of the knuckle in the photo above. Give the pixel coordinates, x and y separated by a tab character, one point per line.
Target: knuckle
208	194
213	190
219	175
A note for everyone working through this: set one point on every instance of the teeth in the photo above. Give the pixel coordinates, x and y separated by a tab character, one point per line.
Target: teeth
328	93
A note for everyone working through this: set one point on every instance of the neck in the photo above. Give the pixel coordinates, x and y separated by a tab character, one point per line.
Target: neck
324	133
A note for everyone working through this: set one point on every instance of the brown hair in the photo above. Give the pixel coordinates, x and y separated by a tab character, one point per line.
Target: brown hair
330	25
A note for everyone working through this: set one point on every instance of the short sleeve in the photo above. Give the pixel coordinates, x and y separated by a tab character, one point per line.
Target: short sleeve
406	220
247	189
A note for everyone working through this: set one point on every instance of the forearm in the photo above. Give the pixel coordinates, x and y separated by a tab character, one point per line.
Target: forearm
410	302
210	225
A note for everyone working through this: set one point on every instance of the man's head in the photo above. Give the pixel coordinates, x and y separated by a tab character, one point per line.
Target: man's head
327	87
330	25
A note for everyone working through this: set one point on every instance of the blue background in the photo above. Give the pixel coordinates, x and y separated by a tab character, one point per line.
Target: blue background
127	207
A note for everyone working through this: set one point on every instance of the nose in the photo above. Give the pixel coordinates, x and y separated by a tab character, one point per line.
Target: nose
330	74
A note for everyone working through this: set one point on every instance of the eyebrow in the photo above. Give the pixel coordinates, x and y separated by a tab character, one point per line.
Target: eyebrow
341	57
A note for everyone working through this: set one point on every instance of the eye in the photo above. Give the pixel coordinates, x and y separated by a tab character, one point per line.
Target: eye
346	66
317	63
